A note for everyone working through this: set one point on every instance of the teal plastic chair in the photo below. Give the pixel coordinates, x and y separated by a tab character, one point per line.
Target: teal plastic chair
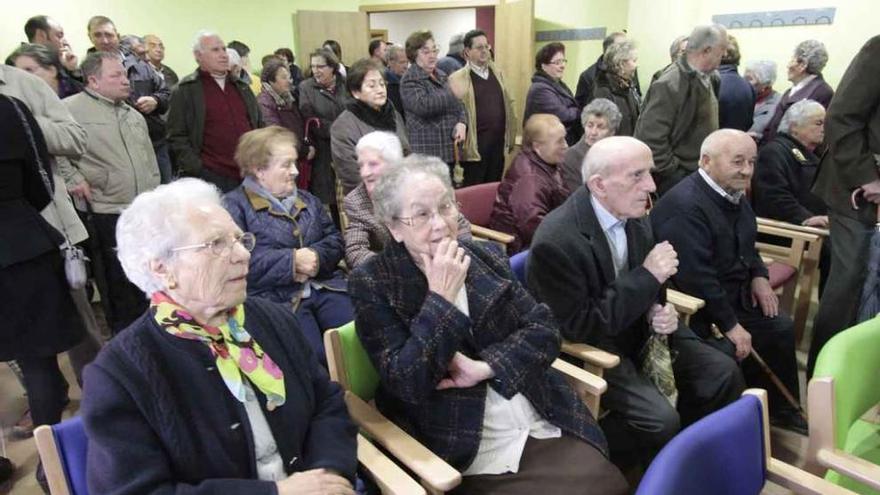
842	403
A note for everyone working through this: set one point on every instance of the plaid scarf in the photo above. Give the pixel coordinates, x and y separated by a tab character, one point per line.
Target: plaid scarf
235	351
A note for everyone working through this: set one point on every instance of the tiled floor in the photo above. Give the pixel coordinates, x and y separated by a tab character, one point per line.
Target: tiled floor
788	447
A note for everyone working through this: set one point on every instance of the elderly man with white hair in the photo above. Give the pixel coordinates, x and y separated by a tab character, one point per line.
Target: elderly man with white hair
209	391
210	110
595	262
761	74
681	107
365	235
714	231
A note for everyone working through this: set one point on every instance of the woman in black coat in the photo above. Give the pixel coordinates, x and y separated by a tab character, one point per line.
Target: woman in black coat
549	94
786	169
616	82
39	317
208	392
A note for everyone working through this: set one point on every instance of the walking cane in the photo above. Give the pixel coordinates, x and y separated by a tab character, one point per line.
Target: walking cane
773	378
457	170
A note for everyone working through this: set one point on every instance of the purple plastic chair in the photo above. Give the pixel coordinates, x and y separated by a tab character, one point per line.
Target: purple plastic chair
518	265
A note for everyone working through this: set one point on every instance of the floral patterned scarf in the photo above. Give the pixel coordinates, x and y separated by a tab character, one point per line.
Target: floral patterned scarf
232	346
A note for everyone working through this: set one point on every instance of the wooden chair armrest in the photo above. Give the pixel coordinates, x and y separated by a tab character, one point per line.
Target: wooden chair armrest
51	459
800	481
431	470
684	303
851	466
390	479
787	233
489	234
592	384
591	355
791	226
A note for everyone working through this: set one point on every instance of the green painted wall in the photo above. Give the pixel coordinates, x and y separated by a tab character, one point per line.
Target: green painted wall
565	14
655	23
263	24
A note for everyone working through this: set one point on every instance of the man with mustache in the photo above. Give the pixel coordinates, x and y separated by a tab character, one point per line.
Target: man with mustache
594	261
119	164
713	229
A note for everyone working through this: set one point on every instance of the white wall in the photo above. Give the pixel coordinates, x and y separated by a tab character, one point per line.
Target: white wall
443	23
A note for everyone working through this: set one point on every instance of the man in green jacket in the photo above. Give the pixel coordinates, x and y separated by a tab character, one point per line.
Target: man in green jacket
119	163
209	111
681	107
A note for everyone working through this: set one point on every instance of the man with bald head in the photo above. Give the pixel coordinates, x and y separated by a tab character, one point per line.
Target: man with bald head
594	261
713	228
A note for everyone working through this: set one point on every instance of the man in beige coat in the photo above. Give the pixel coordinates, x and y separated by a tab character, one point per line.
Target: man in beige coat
491	122
118	165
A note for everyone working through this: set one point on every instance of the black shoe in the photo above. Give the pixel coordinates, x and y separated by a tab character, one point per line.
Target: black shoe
790	420
6	470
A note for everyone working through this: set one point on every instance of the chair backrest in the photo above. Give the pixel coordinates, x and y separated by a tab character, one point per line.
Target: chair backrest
349	363
63	449
476	202
852	359
722	454
518	265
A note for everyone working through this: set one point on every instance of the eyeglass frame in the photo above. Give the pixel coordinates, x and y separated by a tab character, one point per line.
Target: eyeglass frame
559	62
410	220
237	239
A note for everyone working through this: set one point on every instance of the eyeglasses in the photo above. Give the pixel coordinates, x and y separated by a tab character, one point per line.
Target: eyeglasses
561	61
419	219
483	48
323	66
222	245
429	51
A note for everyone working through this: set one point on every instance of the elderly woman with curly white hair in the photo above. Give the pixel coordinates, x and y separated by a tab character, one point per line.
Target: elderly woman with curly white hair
208	391
805	74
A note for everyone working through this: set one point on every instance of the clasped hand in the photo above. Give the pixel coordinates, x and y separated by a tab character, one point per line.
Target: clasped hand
664	319
465	372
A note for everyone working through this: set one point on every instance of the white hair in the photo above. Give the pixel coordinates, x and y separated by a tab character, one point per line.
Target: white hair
798	114
764	71
387	200
234	58
703	37
386	143
201	35
155	223
603	107
813	54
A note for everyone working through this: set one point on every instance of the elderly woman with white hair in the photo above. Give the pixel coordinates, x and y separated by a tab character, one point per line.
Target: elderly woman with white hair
364	235
786	169
464	352
209	391
805	74
761	74
616	82
600	119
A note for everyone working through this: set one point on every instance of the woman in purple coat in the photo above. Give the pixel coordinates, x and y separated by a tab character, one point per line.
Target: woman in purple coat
279	106
549	94
297	250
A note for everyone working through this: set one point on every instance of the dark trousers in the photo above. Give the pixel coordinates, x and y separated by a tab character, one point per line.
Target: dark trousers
46	388
706	380
669	179
322	310
839	305
163	159
490	168
224	183
773	340
565	465
122	301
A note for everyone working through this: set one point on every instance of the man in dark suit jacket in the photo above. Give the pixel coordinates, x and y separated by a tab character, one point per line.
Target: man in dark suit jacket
714	231
852	132
594	262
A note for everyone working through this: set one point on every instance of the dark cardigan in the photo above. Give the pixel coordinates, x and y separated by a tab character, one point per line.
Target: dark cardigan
160	419
715	241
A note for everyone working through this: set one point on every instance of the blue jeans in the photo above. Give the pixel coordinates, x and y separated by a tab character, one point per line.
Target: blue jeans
322	310
164	161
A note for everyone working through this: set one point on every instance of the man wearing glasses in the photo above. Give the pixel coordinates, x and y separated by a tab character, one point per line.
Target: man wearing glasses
490	115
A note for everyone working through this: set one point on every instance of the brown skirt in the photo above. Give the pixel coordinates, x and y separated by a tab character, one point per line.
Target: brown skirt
562	466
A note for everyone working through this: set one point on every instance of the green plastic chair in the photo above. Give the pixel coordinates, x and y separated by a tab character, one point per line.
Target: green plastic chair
350	366
844	419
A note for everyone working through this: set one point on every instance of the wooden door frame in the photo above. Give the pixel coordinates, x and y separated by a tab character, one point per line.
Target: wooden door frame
449	4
